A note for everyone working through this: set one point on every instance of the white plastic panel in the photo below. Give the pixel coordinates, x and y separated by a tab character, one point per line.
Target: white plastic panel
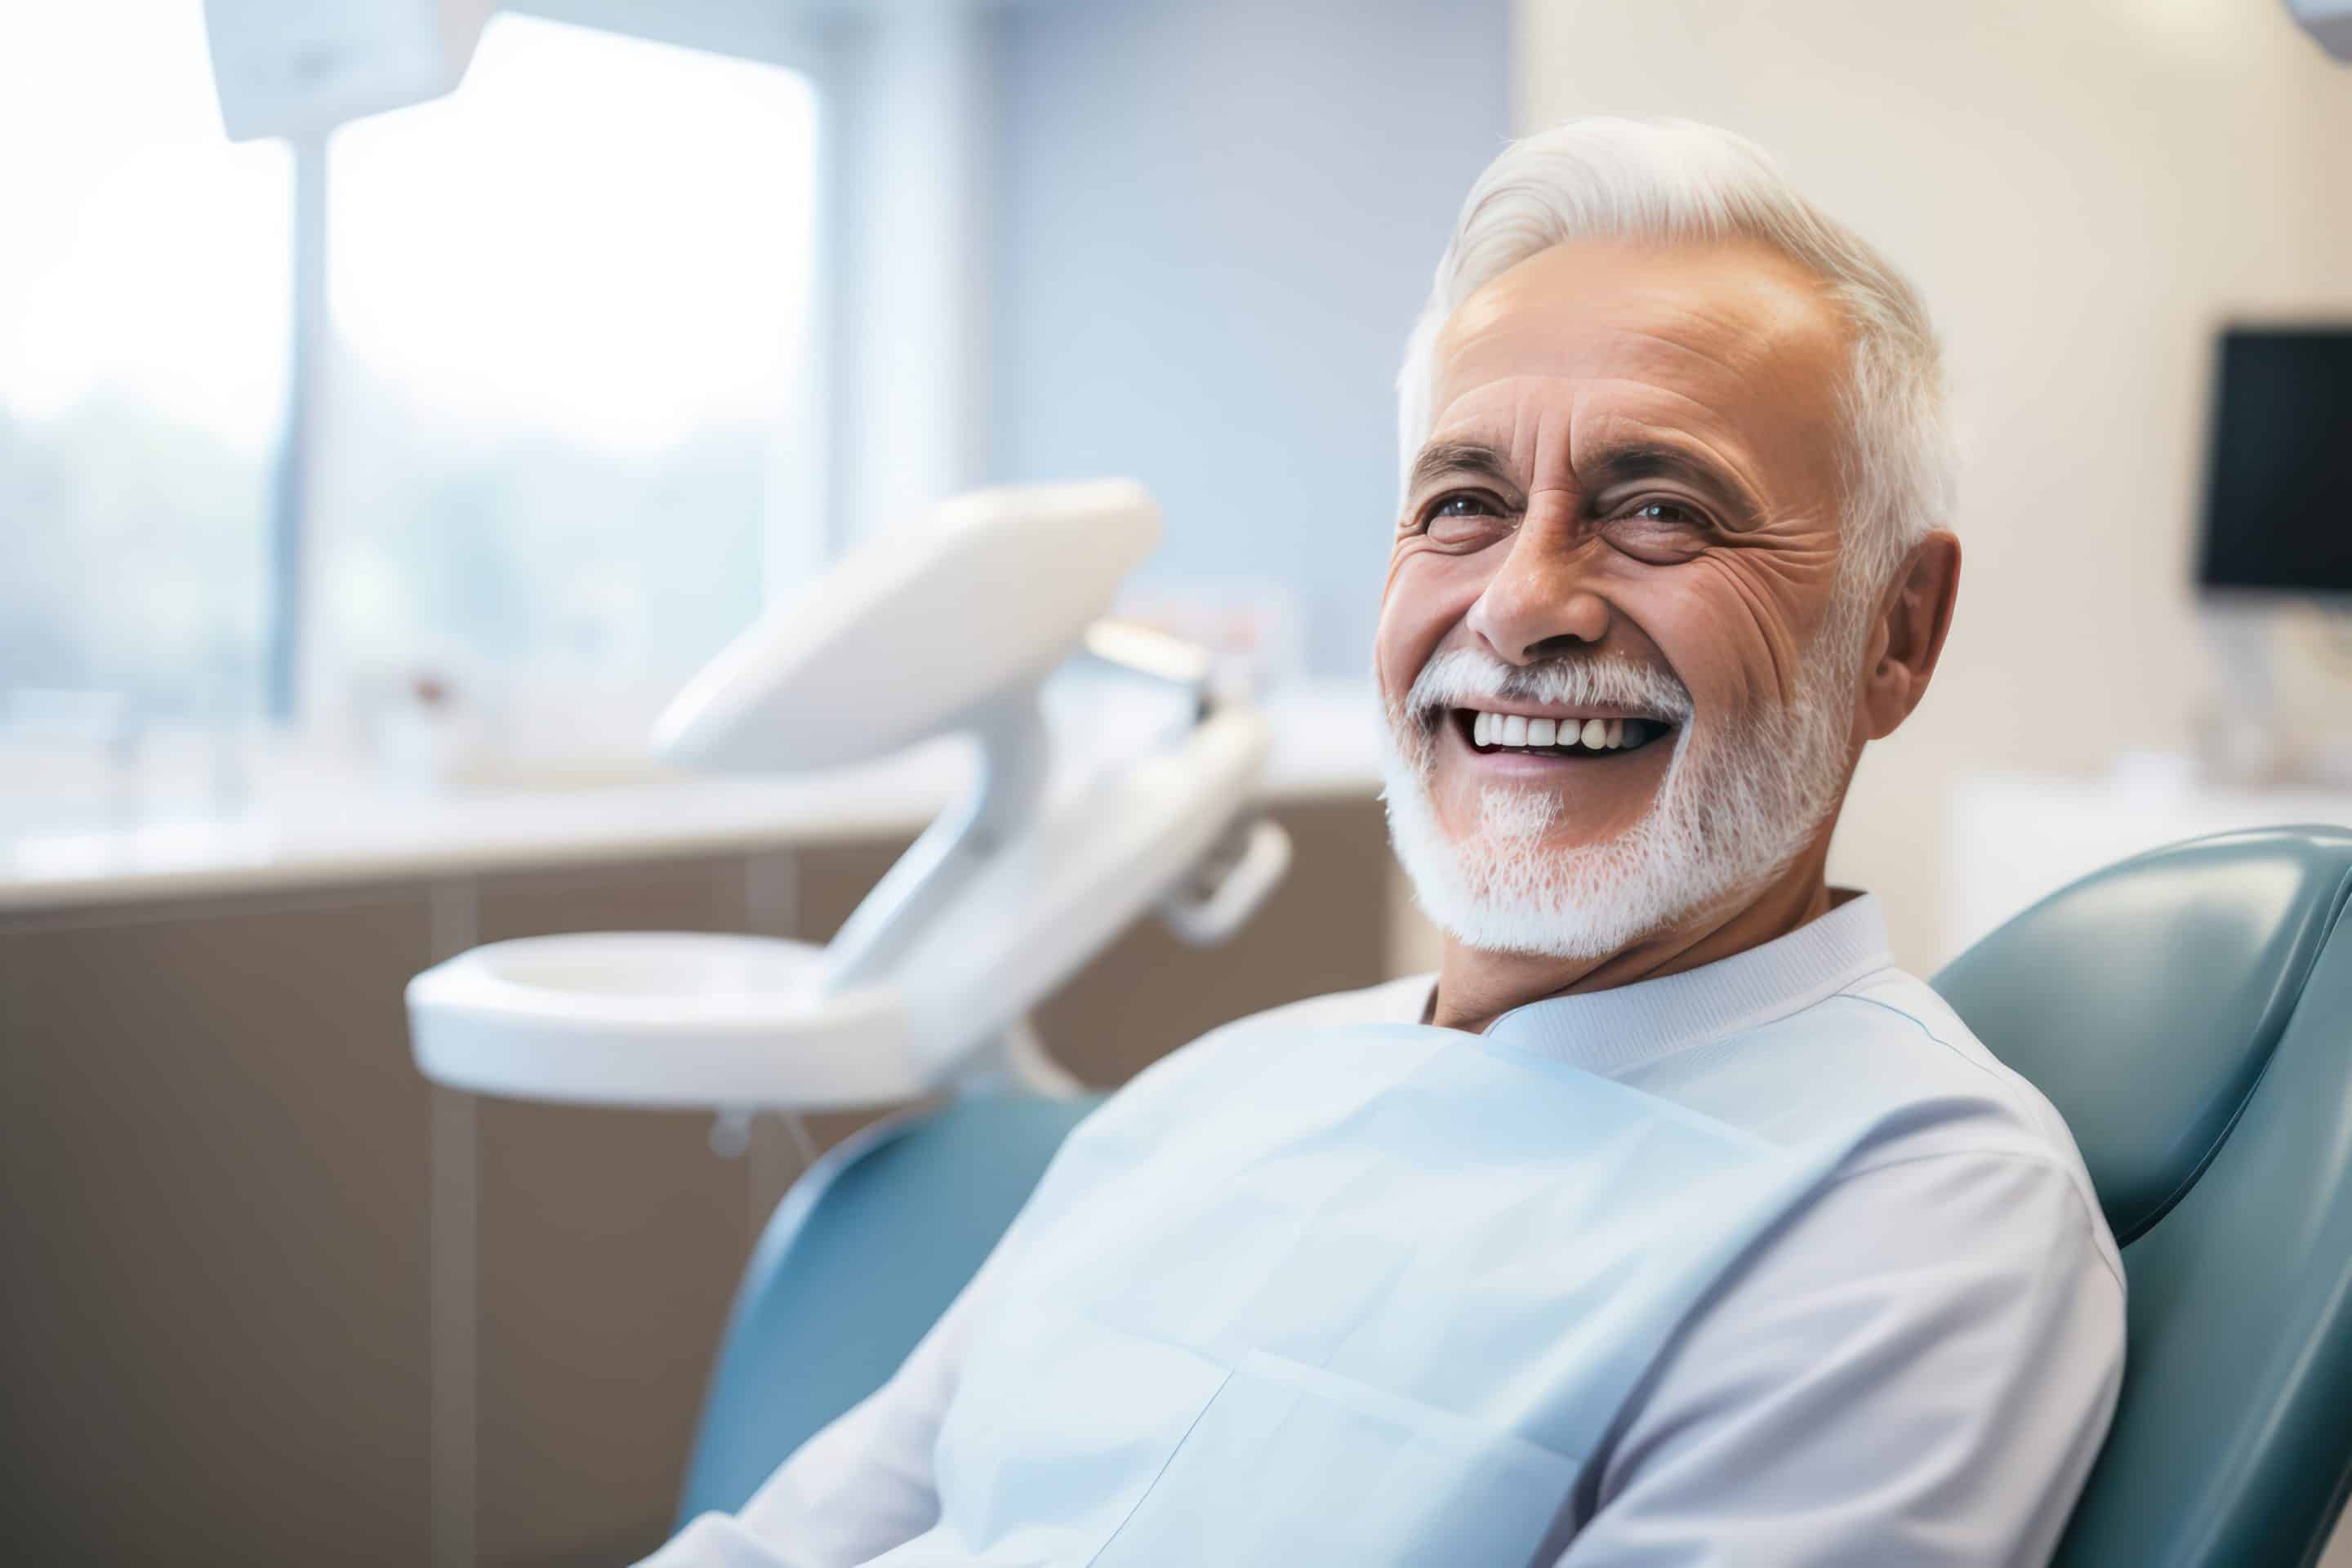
656	1018
911	631
1038	913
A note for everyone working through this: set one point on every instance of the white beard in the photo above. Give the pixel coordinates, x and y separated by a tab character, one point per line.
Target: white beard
1734	810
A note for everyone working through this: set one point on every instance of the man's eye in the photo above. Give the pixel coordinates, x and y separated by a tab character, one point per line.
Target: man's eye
1660	531
1462	506
1464	517
1668	513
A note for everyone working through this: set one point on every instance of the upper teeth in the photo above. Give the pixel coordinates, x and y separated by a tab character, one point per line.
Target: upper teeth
1518	730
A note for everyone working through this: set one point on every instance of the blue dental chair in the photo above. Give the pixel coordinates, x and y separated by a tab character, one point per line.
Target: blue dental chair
2188	1011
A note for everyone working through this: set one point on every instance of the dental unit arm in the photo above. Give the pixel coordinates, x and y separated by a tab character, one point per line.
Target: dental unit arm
948	627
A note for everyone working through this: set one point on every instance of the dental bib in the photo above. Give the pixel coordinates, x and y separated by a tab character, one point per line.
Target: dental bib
1371	1294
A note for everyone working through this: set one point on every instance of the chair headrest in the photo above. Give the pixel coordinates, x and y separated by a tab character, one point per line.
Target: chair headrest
2144	999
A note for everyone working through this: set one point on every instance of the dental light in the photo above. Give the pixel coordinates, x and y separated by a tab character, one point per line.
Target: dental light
948	627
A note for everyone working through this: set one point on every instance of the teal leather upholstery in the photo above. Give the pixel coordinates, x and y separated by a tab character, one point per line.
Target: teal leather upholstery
2190	1013
2213	942
860	1259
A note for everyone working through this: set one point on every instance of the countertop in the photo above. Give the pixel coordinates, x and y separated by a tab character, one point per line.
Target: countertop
323	824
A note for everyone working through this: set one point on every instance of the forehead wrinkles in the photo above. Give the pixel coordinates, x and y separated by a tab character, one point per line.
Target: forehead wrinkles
1731	349
1547	426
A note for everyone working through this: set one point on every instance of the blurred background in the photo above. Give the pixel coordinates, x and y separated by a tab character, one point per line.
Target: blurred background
378	456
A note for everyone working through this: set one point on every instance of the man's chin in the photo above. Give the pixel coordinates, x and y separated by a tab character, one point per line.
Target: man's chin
1537	823
1590	912
1523	881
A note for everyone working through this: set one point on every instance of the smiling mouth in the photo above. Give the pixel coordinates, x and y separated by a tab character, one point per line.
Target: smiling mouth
1514	734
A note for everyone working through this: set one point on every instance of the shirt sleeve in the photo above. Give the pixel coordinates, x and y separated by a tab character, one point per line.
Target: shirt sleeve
856	1488
1918	1369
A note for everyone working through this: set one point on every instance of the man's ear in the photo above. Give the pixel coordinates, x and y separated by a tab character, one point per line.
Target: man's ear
1908	636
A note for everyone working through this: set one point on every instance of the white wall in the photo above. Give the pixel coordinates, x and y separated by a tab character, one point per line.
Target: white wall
2083	189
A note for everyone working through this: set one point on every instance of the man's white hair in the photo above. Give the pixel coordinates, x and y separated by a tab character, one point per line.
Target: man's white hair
1668	181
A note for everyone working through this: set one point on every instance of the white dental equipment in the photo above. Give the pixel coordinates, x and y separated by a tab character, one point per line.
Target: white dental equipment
298	69
952	626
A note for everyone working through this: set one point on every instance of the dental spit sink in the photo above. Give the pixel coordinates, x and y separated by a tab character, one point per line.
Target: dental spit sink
657	1018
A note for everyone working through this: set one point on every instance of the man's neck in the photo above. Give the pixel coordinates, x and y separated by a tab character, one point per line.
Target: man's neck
1476	987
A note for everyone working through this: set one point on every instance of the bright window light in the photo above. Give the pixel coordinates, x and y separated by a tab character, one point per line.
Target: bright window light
568	305
145	295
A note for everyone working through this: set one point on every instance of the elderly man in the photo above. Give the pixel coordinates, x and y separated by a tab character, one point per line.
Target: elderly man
1671	1223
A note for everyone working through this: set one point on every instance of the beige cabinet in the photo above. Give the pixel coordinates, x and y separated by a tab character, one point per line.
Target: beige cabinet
272	1298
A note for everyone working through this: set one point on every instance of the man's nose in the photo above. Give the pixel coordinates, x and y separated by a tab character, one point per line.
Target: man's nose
1541	600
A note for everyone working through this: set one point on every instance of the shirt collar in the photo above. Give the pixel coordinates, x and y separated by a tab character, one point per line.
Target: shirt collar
1611	1031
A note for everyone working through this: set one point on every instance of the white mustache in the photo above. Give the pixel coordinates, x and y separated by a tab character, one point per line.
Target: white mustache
1454	679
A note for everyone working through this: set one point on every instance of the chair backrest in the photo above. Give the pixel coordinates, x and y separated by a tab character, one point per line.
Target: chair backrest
2190	1013
859	1261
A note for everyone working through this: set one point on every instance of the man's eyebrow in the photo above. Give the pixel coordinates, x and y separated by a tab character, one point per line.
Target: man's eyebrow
1638	461
1474	459
1627	463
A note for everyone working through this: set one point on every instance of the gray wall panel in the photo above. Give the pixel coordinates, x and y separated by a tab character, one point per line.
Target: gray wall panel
1218	218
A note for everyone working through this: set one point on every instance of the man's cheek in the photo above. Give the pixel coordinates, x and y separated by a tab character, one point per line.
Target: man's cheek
1394	635
1419	602
1397	558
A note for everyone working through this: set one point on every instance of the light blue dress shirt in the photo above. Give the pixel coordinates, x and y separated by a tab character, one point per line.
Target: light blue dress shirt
1765	1262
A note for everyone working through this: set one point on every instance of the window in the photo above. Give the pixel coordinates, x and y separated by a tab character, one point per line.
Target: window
145	295
568	304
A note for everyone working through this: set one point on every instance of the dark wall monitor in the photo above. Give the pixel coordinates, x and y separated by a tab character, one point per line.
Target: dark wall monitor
2278	481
